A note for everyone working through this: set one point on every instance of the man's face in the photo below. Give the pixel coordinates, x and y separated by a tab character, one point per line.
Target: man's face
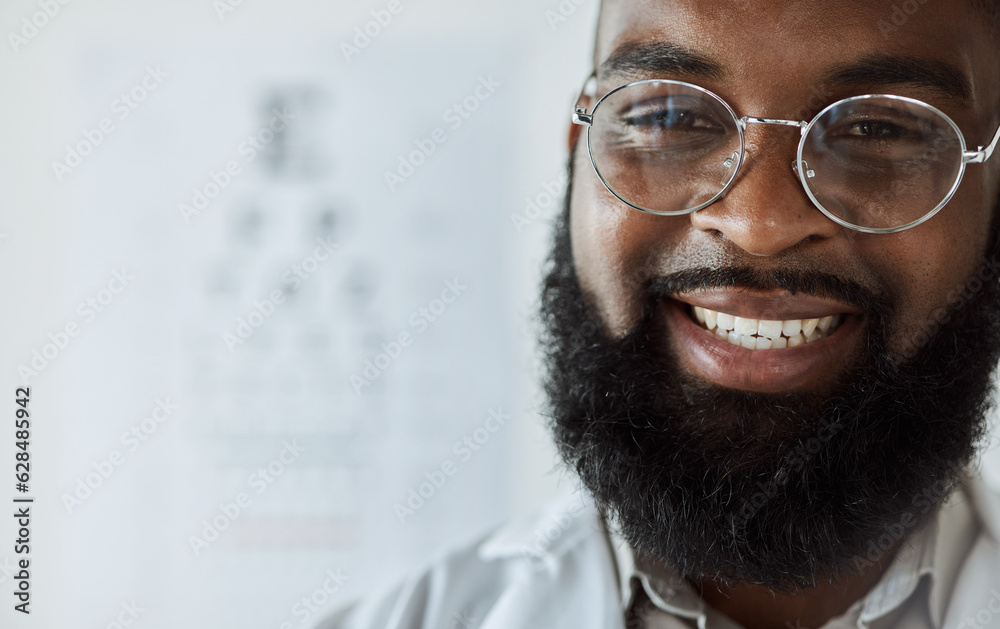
776	60
712	457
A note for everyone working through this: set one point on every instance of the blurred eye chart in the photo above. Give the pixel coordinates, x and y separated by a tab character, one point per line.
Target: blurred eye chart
301	341
288	308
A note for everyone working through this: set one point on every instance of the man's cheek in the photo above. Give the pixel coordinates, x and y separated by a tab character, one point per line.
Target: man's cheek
922	315
601	253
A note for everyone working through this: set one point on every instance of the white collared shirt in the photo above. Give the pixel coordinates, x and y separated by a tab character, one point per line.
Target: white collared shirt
558	570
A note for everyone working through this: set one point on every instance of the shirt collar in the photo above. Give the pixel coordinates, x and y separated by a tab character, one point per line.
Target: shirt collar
936	550
546	536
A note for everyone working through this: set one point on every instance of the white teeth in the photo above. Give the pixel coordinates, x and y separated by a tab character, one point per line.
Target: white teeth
711	318
808	325
770	329
825	323
726	321
765	334
746	327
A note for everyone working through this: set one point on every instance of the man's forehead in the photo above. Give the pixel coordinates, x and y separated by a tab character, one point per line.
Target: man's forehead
775	41
740	23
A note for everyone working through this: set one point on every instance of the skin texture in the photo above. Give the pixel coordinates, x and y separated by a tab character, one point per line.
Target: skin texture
774	55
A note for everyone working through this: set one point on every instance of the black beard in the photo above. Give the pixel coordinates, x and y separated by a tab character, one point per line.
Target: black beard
778	490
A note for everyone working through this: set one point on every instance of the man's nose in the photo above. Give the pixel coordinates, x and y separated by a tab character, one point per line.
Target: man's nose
766	211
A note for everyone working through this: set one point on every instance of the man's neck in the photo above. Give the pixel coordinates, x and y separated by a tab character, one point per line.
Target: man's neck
757	607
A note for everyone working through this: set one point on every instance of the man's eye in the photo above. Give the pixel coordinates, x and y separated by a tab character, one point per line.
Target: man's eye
885	131
878	130
672	120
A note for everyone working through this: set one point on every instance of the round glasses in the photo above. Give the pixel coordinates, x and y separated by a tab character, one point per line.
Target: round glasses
875	163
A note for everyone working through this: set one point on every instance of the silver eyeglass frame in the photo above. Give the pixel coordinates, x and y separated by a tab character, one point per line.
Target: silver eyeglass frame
583	118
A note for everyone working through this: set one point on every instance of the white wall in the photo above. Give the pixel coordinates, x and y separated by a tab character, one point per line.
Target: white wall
162	337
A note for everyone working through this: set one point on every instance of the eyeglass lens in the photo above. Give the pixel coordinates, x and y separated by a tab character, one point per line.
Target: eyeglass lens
877	162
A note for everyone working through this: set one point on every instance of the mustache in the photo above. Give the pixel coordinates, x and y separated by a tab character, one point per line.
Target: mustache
814	283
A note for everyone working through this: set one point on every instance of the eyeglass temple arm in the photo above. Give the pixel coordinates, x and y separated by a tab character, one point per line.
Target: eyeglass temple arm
983	154
580	115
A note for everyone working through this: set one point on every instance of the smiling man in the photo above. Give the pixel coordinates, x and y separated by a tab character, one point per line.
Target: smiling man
773	317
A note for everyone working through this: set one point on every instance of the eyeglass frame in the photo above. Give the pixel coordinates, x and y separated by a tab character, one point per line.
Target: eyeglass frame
582	118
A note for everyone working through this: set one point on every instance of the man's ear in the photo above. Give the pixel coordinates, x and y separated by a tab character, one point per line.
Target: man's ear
573	136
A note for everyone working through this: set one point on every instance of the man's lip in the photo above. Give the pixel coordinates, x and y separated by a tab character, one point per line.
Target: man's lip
771	306
765	371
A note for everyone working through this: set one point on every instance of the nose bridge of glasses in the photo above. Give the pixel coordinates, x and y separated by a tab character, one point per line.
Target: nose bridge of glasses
802	125
745	120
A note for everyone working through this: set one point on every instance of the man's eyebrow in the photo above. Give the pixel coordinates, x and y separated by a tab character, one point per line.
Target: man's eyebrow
659	58
884	70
